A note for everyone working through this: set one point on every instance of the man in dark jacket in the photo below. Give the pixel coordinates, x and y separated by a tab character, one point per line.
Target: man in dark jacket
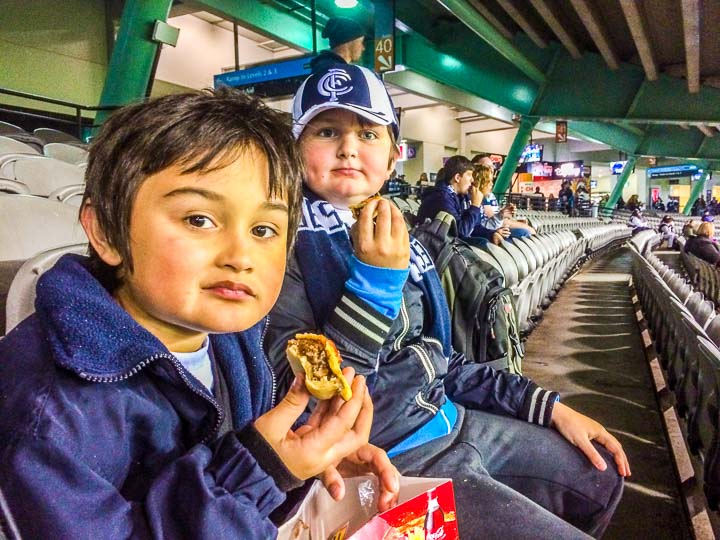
347	44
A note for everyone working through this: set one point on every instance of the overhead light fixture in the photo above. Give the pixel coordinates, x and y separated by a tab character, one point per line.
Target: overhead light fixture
346	3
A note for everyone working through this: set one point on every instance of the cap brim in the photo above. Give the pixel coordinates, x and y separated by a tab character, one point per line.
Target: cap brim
301	123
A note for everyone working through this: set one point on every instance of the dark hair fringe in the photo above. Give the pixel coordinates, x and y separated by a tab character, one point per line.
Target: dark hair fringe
455	165
197	131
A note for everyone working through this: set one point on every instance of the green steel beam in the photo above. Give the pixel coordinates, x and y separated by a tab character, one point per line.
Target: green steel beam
621	181
509	89
697	190
431	88
478	24
518	145
284	26
133	55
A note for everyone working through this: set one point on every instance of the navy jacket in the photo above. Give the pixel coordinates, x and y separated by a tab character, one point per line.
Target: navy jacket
443	199
325	60
104	434
704	248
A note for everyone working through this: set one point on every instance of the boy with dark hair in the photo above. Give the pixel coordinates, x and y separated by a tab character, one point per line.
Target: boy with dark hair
104	432
373	289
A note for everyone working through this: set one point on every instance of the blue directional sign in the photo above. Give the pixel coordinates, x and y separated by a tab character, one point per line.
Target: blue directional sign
672	171
295	67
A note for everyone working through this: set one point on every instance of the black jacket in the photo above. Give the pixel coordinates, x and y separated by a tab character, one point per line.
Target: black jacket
703	248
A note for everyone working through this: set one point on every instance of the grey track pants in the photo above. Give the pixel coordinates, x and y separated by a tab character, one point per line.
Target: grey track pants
513	479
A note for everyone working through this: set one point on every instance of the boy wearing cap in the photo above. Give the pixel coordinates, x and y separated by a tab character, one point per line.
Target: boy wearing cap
373	290
347	44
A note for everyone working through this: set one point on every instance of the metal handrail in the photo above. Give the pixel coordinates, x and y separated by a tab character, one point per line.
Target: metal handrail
78	107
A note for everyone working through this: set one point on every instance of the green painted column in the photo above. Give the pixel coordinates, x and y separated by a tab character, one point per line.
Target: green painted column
511	161
133	55
697	190
621	181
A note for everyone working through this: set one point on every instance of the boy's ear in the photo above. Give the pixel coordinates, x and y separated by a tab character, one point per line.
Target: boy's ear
394	155
96	236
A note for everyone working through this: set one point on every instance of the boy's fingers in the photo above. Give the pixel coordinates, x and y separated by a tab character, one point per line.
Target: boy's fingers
592	454
365	228
342	422
333	482
615	448
383	221
275	423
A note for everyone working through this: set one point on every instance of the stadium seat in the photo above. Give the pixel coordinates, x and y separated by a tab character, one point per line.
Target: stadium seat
42	176
29	225
11	146
66	152
21	296
49	135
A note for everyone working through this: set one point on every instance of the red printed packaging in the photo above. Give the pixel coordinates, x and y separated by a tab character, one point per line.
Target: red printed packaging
426	511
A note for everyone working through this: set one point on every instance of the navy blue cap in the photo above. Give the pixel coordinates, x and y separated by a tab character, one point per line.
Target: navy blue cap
344	86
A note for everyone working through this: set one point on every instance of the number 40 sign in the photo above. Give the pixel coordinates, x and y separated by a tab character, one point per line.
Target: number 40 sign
384	54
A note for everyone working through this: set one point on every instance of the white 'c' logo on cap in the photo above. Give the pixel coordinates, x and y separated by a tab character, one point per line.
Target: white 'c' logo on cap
334	83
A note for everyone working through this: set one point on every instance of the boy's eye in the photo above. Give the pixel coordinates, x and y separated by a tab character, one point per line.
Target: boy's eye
326	132
200	222
264	231
369	135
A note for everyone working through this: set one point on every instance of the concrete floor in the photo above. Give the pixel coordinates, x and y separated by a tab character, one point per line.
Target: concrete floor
588	348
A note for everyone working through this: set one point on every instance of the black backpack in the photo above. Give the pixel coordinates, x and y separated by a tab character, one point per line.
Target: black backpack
484	320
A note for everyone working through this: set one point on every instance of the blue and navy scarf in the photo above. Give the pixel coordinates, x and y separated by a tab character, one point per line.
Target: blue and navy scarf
323	251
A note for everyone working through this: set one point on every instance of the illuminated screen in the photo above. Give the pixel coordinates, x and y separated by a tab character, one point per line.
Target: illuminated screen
532	153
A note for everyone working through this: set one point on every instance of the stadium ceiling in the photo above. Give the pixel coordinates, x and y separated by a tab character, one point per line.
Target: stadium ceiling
642	76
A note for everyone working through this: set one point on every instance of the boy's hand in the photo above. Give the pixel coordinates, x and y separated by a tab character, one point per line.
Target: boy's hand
476	196
367	459
384	243
336	428
580	430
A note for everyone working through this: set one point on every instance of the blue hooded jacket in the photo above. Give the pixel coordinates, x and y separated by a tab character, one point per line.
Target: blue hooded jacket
468	218
104	434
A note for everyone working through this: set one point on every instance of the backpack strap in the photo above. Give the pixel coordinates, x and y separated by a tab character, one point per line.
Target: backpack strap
501	364
444	226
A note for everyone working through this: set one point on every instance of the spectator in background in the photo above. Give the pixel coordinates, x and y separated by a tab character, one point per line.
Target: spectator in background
493	217
620	203
637	222
702	245
423	179
707	217
633	203
690	228
455	194
347	43
667	229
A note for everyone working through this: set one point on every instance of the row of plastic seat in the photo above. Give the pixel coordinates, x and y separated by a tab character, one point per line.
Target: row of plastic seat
69	153
41	176
692	366
535	267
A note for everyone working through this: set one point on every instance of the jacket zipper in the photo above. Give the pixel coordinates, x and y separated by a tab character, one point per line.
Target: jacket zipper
405	327
273	396
425	405
425	360
178	367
